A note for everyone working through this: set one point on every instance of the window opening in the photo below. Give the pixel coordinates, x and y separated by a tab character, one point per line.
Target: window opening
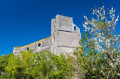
74	27
39	44
28	48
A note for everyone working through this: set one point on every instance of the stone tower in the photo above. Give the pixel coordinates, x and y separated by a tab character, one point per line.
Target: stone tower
65	37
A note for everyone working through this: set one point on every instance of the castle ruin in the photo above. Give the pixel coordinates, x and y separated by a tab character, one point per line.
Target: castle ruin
65	37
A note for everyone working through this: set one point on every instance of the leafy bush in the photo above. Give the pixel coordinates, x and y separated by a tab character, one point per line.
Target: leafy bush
43	65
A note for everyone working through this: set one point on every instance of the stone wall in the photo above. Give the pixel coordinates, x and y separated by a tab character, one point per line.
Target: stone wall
65	37
41	45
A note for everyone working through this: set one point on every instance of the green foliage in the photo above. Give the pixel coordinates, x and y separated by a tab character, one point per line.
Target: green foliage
92	64
3	65
3	62
41	65
88	60
4	76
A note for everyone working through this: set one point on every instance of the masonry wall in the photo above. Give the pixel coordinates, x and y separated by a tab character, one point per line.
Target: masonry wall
45	45
64	37
37	46
70	42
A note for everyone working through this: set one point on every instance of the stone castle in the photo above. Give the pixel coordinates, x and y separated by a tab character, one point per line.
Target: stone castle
65	37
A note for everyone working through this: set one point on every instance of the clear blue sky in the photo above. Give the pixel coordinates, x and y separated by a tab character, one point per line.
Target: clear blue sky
26	21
